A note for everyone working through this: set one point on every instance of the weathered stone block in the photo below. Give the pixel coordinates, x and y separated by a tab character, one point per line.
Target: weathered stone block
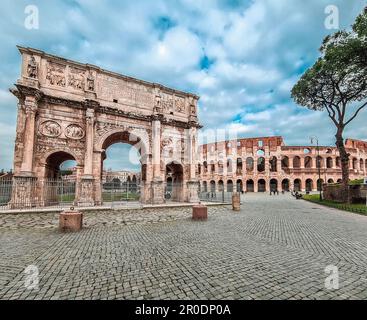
236	201
70	221
199	212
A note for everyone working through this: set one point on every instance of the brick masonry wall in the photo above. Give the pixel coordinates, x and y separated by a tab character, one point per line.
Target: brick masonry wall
357	193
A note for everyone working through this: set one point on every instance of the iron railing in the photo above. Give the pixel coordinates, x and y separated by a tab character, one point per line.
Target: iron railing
62	193
33	193
219	196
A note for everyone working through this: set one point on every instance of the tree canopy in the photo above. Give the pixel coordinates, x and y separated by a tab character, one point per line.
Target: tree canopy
338	79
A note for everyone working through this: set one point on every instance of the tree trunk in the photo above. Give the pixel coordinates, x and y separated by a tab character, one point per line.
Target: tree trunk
344	160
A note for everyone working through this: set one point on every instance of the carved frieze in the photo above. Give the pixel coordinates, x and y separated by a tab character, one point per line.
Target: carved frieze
76	78
50	128
167	105
74	131
56	74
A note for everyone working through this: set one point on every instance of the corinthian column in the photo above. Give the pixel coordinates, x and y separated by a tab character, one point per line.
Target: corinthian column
30	106
156	148
193	152
88	159
192	184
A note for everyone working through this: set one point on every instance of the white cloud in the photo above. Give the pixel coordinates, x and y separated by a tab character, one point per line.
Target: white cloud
256	50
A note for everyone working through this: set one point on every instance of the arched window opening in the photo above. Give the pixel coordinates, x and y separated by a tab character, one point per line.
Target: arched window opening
261	164
308	162
285	185
285	162
273	185
220	186
250	185
249	164
229	186
309	185
239	187
296	162
261	185
297	185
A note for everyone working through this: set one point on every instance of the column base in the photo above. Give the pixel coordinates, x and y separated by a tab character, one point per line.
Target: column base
24	192
193	191
85	196
157	192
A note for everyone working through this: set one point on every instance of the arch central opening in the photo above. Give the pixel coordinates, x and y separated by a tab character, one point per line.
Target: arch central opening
122	168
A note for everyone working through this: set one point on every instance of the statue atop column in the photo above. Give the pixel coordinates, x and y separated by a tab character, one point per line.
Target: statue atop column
32	68
90	82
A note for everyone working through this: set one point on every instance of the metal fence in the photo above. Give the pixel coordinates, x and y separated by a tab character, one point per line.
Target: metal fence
115	194
6	187
221	196
61	193
36	193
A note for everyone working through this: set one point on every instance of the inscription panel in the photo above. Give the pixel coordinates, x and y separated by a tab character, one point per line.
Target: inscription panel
128	93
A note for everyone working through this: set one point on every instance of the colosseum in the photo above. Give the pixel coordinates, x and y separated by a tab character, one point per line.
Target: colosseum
266	164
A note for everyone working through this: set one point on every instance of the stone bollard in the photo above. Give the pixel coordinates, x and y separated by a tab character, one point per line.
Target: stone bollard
236	201
199	212
70	220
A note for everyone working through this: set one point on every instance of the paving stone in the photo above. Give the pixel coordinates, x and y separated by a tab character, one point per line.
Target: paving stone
274	248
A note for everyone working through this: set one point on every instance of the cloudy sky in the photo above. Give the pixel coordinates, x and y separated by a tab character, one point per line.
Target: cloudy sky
241	57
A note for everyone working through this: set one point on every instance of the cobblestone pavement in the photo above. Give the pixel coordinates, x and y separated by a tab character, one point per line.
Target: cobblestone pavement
274	248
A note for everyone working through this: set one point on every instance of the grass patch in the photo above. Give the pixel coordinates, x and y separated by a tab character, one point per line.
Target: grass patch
354	207
106	196
356	182
120	196
66	197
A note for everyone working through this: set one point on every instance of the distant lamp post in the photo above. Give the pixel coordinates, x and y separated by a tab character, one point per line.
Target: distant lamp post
318	164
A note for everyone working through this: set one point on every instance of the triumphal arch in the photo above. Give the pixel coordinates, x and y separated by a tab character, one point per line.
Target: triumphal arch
73	111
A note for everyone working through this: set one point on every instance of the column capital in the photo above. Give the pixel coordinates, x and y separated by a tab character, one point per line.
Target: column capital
157	117
30	105
90	116
91	104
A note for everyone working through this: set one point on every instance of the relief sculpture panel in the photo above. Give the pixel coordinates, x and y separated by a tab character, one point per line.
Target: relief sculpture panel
74	131
50	128
56	74
76	79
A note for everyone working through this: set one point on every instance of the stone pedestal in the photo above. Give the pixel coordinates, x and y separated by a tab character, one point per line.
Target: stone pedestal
193	191
157	192
199	212
24	192
70	221
236	201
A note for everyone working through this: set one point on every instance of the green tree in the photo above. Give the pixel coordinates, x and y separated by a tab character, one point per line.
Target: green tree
337	83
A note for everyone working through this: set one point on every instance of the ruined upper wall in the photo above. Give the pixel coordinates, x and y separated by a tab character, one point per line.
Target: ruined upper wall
356	144
251	145
63	78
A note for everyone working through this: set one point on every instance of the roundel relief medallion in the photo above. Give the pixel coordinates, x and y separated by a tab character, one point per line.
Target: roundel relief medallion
73	131
50	129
